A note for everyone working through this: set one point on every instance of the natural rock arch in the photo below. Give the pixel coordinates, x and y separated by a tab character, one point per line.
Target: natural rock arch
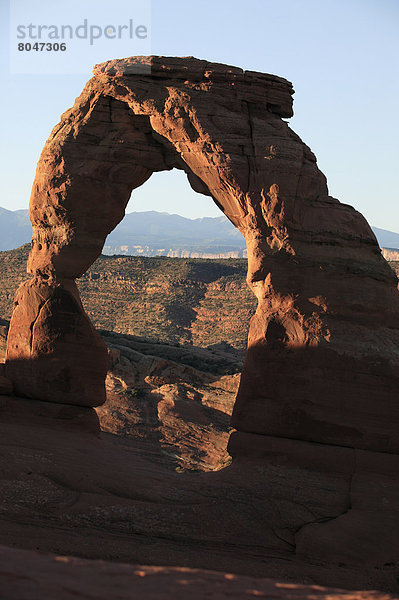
325	333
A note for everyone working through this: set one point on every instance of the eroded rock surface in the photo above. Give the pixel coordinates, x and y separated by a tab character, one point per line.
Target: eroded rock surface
27	576
176	401
313	487
296	511
325	333
57	354
3	338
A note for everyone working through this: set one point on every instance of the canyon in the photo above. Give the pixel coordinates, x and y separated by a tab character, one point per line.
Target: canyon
175	301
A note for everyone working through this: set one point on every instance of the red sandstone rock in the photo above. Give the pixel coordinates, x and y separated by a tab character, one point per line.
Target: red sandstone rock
322	361
6	386
154	398
57	354
321	366
291	510
28	575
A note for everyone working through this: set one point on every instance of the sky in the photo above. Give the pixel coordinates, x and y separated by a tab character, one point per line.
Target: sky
341	55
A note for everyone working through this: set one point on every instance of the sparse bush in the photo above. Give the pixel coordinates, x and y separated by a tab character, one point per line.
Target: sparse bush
135	393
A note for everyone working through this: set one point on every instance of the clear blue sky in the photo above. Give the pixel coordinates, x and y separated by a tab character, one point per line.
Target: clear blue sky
341	55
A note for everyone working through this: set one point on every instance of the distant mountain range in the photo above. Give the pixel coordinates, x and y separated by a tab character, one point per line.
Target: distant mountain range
386	239
156	234
15	228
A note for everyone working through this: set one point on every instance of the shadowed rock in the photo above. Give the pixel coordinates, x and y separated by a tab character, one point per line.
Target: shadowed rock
66	578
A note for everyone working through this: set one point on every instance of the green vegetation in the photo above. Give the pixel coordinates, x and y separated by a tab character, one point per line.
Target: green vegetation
135	393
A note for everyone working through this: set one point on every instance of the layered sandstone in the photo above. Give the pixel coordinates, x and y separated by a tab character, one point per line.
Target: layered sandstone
24	574
291	510
312	492
323	345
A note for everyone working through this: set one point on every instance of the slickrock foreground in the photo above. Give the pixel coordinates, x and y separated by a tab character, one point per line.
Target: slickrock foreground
28	576
66	490
313	488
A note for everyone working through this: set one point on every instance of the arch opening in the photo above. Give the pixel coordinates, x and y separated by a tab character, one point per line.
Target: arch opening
181	401
170	191
166	217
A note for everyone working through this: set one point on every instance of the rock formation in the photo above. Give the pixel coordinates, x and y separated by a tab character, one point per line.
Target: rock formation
312	490
323	344
294	511
25	575
157	397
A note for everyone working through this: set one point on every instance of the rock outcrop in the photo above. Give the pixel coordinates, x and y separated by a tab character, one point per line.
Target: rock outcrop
3	338
176	401
323	345
315	451
295	511
26	575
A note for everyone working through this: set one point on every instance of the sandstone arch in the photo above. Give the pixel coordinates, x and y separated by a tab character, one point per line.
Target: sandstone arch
323	345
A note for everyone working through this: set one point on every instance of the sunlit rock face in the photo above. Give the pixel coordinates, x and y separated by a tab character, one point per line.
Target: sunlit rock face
323	345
